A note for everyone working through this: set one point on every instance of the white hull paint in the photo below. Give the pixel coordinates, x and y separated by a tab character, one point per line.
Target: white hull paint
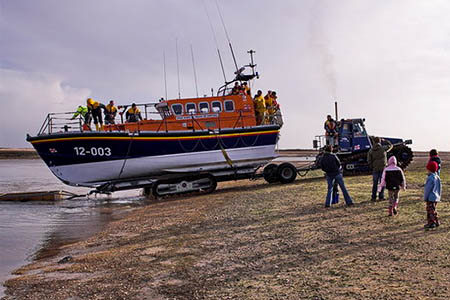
94	174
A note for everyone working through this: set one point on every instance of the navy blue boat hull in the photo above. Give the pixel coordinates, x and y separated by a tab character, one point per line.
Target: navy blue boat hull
90	159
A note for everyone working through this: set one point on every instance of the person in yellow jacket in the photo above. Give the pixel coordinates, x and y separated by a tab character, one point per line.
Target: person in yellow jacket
110	112
269	107
260	107
95	108
246	88
133	114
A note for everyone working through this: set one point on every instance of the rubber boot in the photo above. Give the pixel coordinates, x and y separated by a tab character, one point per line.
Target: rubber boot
97	127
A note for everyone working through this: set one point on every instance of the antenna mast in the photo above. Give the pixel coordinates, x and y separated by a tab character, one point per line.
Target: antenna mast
215	41
178	69
165	76
228	37
195	73
252	63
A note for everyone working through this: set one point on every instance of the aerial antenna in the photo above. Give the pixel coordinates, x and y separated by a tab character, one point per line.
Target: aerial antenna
252	63
215	41
178	69
228	37
336	109
165	75
195	73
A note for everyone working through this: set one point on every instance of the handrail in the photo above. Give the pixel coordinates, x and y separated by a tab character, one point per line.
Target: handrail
63	122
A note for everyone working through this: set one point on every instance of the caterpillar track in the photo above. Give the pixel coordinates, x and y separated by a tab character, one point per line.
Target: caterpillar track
356	164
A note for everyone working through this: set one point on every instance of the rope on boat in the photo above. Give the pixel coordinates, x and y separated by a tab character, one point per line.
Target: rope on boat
186	150
126	157
224	152
254	143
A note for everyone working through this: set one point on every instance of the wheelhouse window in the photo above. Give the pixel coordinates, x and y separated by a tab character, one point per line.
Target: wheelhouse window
359	130
177	109
229	105
203	107
216	106
190	108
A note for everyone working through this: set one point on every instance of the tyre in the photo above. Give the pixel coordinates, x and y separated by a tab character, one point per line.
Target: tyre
213	185
270	173
155	192
286	173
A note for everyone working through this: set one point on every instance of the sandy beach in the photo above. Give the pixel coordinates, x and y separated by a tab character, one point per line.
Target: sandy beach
253	240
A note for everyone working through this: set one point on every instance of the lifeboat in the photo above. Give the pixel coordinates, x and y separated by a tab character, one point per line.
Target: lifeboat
177	141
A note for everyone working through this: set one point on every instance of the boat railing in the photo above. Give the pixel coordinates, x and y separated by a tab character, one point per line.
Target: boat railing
60	122
70	122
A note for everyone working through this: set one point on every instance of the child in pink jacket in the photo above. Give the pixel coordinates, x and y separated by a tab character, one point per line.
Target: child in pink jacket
393	179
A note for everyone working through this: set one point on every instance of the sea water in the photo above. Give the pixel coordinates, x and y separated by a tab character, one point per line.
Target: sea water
32	230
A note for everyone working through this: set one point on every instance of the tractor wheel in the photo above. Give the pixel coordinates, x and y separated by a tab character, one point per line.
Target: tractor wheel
287	173
404	156
270	173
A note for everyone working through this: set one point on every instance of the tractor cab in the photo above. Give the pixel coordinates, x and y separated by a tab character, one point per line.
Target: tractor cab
353	144
353	136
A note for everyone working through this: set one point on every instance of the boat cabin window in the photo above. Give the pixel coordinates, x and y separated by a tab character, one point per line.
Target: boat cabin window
190	108
229	105
216	106
203	107
177	109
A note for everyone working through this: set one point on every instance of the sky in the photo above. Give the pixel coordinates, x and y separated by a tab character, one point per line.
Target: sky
387	61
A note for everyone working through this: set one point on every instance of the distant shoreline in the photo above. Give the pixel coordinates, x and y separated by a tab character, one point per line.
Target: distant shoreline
18	153
30	153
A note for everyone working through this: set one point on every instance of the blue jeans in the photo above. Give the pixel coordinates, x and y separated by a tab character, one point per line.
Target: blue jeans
340	181
376	176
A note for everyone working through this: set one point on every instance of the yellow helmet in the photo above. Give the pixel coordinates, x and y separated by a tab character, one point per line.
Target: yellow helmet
90	101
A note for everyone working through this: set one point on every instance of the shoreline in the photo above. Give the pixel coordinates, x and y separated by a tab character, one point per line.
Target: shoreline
18	153
252	238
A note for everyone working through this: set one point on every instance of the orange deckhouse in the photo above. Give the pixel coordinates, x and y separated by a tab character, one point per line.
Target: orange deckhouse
219	112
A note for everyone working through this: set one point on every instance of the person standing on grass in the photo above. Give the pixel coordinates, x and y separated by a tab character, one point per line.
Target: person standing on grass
432	194
331	165
377	159
434	157
393	179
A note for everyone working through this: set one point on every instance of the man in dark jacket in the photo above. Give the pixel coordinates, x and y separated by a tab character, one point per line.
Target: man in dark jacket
331	165
377	159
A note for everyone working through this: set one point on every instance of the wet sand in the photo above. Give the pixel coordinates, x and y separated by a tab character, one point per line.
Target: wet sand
252	240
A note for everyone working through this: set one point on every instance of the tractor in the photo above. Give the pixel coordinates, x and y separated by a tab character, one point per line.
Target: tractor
354	143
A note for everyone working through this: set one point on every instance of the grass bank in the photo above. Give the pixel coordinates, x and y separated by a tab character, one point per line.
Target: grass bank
18	153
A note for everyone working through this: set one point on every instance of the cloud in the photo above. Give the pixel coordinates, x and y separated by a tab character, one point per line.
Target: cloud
385	61
27	97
